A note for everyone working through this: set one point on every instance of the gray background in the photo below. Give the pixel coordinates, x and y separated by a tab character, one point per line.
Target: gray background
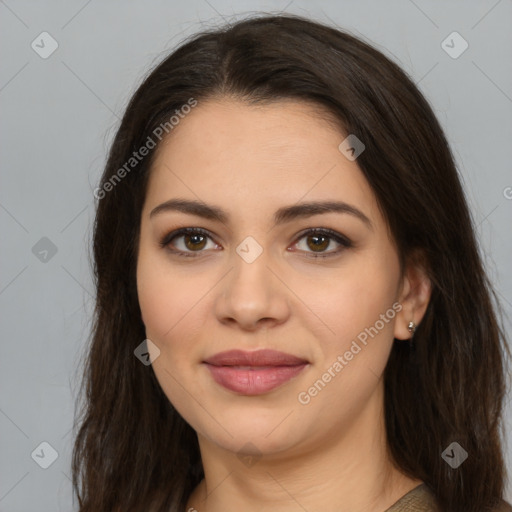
59	115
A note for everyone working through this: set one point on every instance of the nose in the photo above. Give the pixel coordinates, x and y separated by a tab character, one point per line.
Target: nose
251	296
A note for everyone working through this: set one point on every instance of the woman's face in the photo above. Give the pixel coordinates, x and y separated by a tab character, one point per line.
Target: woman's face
251	282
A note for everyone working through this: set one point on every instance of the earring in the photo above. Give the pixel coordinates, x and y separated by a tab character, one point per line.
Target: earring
411	327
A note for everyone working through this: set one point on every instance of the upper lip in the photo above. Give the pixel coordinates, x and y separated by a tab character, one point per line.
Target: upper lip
263	357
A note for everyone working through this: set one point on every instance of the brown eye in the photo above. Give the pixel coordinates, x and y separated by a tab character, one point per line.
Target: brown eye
194	241
318	240
186	241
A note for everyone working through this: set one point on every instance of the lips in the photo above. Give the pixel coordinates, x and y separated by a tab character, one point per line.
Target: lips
254	373
255	359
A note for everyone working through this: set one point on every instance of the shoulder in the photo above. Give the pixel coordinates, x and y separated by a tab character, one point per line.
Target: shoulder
421	499
504	506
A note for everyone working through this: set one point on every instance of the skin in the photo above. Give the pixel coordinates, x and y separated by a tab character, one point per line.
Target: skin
328	454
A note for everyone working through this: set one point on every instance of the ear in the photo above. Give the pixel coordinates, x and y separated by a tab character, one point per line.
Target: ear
414	295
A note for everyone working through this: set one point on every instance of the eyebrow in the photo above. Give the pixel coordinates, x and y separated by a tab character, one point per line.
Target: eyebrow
283	215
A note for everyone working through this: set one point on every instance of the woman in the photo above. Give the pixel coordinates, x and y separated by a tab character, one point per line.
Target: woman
292	313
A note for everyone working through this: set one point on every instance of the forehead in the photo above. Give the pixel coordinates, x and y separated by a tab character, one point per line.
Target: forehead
253	156
234	127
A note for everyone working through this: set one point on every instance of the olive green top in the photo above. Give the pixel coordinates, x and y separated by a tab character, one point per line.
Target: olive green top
420	499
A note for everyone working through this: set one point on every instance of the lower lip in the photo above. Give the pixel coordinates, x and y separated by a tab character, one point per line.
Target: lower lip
254	381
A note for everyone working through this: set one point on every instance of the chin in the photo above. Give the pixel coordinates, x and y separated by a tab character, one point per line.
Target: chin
251	434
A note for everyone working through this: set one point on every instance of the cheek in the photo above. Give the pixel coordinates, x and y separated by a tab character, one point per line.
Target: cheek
155	300
173	307
167	305
164	298
361	309
360	297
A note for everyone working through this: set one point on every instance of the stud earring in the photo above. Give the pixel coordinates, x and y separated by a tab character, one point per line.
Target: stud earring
411	327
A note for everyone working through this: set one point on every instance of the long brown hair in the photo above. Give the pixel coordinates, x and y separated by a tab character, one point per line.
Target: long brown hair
133	451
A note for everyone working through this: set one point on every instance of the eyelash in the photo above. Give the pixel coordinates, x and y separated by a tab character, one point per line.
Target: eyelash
329	233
